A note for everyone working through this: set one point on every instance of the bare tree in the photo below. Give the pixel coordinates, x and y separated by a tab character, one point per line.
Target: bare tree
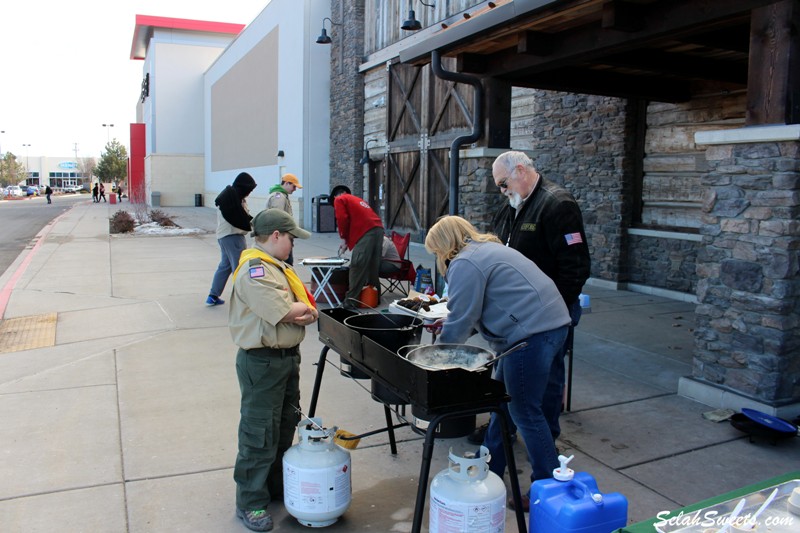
86	166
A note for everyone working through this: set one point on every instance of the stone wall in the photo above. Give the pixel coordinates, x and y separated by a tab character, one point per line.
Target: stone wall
347	95
747	335
579	141
661	262
478	195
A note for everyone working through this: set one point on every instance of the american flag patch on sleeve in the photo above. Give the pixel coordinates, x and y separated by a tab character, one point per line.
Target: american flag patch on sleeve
573	238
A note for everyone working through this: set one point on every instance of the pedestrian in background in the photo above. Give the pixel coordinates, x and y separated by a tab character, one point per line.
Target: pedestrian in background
119	191
503	295
47	192
361	231
269	310
233	223
279	199
102	193
95	193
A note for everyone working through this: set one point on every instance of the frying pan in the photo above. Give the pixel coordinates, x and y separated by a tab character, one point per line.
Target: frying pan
445	356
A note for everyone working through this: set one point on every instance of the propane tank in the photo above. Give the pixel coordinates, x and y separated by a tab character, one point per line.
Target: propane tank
316	476
467	497
571	502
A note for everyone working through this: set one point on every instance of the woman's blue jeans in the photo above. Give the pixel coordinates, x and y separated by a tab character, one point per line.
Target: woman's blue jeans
230	248
534	378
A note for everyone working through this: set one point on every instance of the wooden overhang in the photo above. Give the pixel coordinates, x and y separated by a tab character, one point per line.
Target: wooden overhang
659	50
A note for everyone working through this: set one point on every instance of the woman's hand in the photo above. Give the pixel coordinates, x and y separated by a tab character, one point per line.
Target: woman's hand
436	327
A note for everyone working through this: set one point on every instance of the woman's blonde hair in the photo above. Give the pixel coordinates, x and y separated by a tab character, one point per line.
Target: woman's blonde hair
449	236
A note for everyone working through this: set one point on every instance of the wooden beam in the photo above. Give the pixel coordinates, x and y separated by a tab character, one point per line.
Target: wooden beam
474	63
735	38
773	88
535	43
497	113
605	83
680	65
622	16
663	20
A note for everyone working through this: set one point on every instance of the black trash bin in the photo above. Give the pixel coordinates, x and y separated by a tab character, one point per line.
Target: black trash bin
323	219
198	200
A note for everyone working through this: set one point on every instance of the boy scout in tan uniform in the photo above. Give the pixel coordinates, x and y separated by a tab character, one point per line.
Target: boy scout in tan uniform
279	199
269	309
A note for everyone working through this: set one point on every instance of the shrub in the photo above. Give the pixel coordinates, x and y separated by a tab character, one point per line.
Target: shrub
121	222
161	218
140	210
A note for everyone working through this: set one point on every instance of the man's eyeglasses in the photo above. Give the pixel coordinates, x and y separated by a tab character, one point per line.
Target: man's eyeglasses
503	185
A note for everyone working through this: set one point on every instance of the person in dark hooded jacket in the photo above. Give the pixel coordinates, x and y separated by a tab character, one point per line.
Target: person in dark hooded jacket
233	223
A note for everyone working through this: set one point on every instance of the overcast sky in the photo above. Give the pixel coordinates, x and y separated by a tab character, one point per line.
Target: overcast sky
66	68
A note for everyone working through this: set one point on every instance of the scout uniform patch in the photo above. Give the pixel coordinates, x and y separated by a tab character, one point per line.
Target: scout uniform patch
256	268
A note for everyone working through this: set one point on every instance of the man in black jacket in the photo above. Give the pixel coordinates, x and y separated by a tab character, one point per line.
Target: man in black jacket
542	221
233	223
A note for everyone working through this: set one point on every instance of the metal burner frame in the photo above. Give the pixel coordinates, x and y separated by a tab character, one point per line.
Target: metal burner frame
439	394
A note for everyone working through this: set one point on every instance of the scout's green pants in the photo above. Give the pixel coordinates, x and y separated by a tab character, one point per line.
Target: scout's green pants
365	262
270	384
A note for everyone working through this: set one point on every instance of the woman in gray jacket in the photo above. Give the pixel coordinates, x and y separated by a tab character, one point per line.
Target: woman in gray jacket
508	299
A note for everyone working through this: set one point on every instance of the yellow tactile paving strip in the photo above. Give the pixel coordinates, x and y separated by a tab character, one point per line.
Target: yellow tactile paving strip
28	332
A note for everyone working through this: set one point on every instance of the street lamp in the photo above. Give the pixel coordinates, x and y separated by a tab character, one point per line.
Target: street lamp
108	132
2	162
27	168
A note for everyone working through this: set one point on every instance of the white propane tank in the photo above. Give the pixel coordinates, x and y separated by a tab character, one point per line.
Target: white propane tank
316	476
467	497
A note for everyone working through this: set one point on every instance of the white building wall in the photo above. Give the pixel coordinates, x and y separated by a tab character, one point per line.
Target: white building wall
179	97
173	113
177	177
303	108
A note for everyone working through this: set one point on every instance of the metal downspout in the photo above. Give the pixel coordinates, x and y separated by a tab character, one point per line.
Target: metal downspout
477	122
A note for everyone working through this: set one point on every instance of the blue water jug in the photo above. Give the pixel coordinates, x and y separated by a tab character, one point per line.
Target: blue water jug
572	503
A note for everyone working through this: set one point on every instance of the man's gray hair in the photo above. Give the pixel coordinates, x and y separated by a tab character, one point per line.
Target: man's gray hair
509	160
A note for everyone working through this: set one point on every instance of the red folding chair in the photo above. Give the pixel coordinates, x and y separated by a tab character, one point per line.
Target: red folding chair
405	275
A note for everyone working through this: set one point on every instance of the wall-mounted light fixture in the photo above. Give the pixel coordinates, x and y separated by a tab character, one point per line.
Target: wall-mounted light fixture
279	154
365	156
323	36
412	24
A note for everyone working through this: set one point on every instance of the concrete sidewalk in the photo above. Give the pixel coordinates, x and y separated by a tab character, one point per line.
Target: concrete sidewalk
121	415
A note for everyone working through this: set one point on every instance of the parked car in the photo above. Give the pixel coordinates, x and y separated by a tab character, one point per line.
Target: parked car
32	191
14	190
72	188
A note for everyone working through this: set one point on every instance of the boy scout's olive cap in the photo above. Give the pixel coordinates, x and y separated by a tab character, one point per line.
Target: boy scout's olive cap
270	220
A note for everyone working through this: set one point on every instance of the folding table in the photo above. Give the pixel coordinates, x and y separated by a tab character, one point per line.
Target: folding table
322	275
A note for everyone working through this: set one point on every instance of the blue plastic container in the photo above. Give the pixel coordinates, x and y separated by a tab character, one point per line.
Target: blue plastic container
574	504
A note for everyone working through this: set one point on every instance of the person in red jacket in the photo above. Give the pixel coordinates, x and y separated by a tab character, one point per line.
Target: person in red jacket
361	231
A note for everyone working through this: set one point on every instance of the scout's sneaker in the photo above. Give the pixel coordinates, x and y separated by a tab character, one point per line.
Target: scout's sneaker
211	301
258	520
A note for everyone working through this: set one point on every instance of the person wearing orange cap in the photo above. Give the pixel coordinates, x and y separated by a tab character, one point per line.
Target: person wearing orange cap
279	199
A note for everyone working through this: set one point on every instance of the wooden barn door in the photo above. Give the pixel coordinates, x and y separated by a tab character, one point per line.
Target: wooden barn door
425	114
